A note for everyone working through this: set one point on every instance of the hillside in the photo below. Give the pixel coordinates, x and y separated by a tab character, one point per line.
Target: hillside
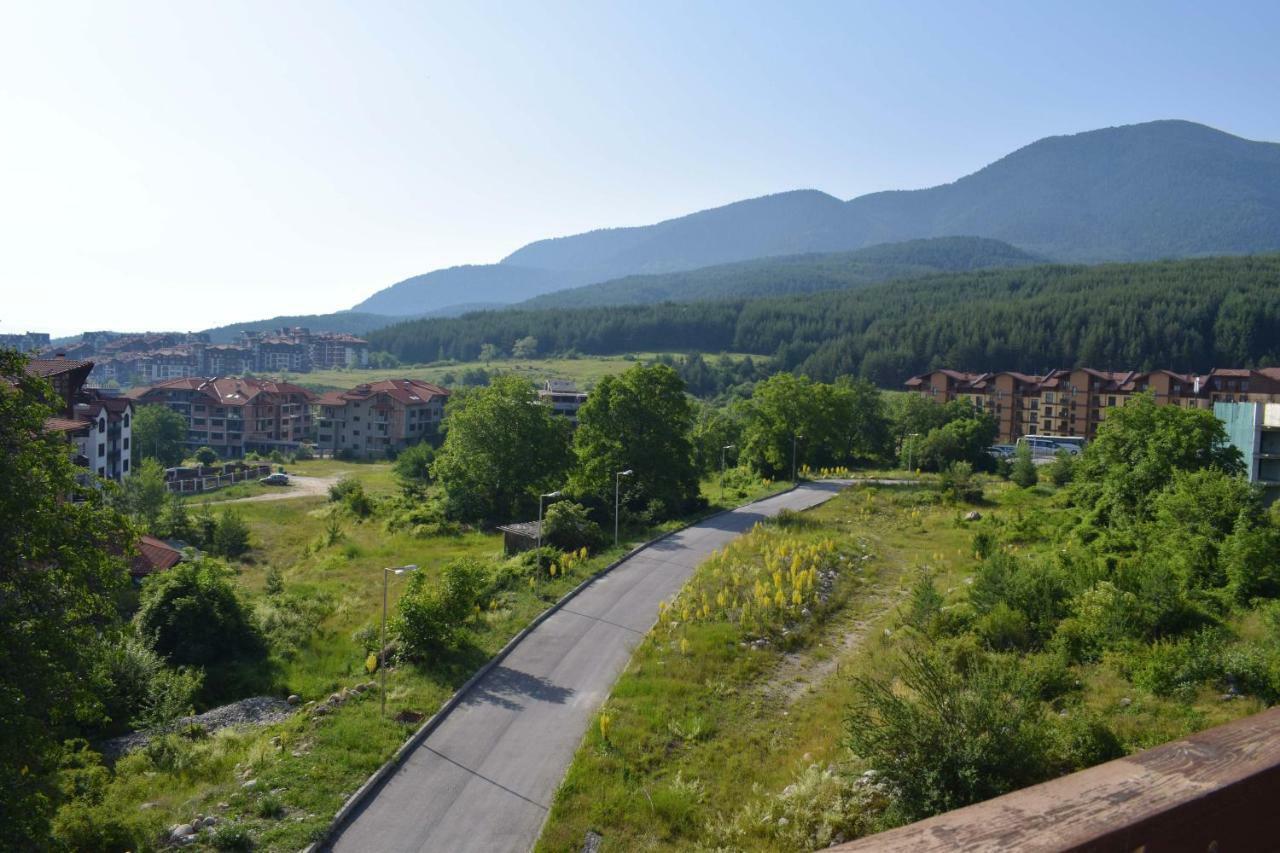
1163	189
1185	315
795	273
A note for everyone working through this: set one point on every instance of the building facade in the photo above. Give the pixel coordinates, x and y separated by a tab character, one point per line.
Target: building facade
379	418
563	397
1254	429
1074	403
234	415
98	427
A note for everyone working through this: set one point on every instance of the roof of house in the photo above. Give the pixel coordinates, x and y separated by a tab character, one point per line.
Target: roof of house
154	556
522	528
64	424
407	391
225	390
47	367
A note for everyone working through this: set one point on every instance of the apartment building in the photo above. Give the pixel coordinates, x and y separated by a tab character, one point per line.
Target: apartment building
298	350
234	415
98	427
1254	429
28	342
379	418
1075	402
563	397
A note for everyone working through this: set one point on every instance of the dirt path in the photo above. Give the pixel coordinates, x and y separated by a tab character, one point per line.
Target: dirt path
299	487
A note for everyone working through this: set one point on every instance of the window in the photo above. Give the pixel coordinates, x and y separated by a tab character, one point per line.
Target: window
102	424
1111	401
102	450
126	464
126	419
126	444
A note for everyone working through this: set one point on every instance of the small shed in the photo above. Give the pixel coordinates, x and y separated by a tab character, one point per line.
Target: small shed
154	555
520	536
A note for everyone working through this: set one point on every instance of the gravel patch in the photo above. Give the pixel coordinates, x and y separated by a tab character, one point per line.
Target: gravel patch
254	711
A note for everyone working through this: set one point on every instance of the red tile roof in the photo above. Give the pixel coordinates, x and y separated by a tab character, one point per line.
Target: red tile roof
154	556
226	390
407	391
47	367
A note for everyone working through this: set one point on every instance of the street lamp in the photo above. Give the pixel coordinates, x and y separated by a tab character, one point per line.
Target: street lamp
540	497
382	652
795	436
911	446
722	450
617	491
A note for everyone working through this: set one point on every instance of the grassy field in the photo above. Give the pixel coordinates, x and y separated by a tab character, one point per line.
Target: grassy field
585	371
713	739
321	628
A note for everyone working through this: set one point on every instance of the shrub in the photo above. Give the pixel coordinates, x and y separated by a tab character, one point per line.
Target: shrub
951	738
1024	471
231	836
231	536
303	453
192	615
141	691
413	467
430	614
350	493
958	483
568	527
1063	468
269	807
274	582
206	456
984	544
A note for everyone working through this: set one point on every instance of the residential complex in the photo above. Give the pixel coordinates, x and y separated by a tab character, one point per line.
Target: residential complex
233	415
1074	402
98	427
29	342
563	397
379	418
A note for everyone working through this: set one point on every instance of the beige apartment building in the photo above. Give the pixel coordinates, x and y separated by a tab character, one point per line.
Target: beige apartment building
1075	402
378	419
234	415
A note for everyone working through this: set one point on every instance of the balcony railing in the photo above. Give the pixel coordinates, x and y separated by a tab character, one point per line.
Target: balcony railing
1213	791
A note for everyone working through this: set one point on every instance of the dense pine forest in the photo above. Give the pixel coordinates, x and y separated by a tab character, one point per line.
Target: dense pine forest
1184	315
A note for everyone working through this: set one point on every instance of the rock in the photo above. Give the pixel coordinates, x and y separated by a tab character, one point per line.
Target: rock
145	806
222	807
210	820
335	698
372	685
360	688
592	842
293	699
181	832
973	515
252	783
320	711
1126	702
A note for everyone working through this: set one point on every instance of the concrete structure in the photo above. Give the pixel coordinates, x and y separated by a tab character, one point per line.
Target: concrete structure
234	415
377	419
1075	402
1254	429
563	397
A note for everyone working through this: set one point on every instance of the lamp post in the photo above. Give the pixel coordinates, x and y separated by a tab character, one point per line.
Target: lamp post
911	446
722	450
795	437
540	497
382	651
617	491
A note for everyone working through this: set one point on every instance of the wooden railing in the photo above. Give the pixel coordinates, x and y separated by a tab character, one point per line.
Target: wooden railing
1216	791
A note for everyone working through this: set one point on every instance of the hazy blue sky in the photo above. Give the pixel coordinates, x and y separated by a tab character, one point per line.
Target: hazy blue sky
183	164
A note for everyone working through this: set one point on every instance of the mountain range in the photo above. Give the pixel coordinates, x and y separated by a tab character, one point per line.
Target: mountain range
1162	189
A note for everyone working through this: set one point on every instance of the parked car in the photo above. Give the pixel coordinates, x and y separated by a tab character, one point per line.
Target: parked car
276	479
1001	451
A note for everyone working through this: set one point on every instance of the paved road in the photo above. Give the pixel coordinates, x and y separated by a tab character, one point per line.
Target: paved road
485	778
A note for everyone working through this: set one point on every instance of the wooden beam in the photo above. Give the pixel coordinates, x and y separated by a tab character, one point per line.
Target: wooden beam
1218	790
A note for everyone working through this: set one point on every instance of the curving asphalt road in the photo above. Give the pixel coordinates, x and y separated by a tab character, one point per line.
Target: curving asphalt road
485	778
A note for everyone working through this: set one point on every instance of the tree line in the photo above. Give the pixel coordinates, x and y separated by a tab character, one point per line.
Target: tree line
1184	315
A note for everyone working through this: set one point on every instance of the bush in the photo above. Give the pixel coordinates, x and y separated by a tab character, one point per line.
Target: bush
1063	468
958	483
230	836
231	536
951	738
303	453
1024	471
206	455
430	614
350	493
192	615
568	528
141	691
413	467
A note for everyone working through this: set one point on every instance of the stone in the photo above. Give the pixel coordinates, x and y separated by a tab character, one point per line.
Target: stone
591	843
320	711
252	783
1126	702
182	831
360	688
973	515
293	699
145	806
335	698
222	807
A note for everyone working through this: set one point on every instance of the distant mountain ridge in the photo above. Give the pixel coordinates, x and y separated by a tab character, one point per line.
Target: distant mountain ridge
1154	190
789	274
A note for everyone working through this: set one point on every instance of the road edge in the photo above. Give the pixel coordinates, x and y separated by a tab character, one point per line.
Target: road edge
415	740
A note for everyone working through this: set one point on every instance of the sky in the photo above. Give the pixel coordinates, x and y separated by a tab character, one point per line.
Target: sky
183	165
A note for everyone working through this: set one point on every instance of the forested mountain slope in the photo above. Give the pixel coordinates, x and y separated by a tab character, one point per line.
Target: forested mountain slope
796	273
1185	315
